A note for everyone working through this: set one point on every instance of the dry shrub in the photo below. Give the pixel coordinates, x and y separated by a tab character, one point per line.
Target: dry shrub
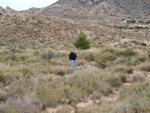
2	78
145	67
89	58
122	108
128	52
134	104
14	57
134	99
142	57
136	78
19	105
124	69
59	70
47	55
114	81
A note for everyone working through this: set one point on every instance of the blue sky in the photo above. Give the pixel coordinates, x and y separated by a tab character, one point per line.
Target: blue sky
25	4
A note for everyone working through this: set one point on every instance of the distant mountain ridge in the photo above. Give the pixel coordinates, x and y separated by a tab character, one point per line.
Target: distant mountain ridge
97	10
7	10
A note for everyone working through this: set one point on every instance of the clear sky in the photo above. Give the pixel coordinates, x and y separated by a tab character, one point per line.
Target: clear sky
25	4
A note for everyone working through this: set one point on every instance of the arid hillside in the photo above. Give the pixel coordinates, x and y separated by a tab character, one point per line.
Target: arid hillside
43	28
31	27
112	76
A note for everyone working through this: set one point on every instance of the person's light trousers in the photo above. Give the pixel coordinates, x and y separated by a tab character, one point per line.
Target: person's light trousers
73	64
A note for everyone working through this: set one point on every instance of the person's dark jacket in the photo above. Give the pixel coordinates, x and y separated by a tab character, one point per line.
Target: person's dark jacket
72	56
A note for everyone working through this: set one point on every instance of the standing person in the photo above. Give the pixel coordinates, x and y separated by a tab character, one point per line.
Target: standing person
73	57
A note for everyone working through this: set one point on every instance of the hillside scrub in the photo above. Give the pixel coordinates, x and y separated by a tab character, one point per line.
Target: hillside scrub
40	74
134	99
75	88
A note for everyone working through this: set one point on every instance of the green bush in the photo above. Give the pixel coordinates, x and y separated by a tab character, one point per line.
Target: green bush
147	22
2	78
3	98
131	21
143	44
141	22
123	78
114	81
81	42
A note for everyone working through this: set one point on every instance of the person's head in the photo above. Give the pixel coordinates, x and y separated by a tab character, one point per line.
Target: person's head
73	50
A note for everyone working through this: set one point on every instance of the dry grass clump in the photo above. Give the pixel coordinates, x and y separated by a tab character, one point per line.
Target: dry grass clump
123	69
142	57
19	105
137	78
144	67
135	104
60	70
134	99
128	52
47	55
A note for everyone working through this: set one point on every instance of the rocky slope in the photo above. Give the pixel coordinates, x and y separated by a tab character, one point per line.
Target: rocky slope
98	10
7	10
31	27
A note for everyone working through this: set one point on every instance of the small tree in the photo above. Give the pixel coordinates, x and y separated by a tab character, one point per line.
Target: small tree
147	22
81	42
141	21
131	21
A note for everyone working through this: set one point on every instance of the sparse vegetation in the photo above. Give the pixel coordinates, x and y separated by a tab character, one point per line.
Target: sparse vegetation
111	75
